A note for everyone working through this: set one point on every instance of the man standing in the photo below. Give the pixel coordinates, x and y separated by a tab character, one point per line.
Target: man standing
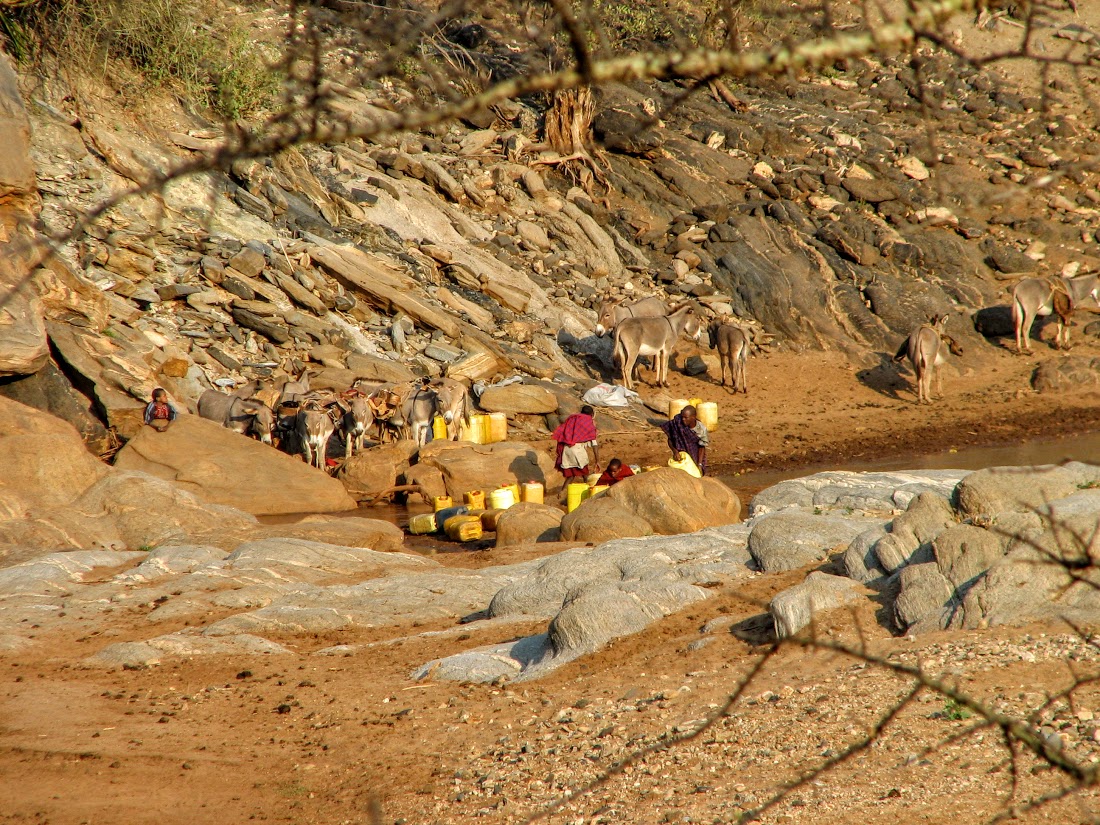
574	436
687	434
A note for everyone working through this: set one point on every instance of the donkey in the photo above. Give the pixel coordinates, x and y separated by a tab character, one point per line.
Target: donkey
613	313
654	336
1033	297
733	351
924	348
453	402
313	428
357	419
244	415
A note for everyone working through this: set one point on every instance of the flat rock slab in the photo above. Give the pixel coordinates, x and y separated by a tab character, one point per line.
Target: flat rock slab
867	492
224	467
519	399
184	644
595	595
56	573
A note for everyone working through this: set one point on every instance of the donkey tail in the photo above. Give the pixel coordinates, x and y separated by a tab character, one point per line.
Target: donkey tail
903	351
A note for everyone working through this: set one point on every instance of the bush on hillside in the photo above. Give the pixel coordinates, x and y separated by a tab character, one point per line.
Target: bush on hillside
175	44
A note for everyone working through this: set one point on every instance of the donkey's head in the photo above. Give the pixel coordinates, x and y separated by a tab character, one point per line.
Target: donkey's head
263	419
605	320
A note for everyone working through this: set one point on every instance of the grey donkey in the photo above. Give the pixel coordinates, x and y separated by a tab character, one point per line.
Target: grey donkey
1033	297
242	414
613	313
654	336
925	349
732	344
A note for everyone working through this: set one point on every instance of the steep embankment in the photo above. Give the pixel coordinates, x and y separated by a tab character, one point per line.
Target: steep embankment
824	210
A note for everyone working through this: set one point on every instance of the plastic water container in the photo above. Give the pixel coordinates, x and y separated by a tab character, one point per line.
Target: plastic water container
687	464
498	427
593	478
598	489
422	524
534	492
463	528
442	516
514	487
489	520
441	503
675	406
439	428
502	498
474	499
695	402
575	493
474	433
708	414
485	423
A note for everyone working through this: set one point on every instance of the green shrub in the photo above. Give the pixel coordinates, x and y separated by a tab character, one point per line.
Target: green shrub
176	44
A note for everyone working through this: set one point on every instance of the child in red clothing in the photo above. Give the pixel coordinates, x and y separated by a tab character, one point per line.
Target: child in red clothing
616	471
158	412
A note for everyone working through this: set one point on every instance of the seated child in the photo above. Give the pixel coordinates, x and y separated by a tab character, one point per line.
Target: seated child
616	471
158	412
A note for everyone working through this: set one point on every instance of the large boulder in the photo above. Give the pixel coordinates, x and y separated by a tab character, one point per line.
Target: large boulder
526	523
111	371
926	600
376	368
43	461
594	615
789	540
126	510
1021	489
964	552
860	562
602	519
665	502
226	468
928	515
671	501
468	467
518	399
370	473
794	608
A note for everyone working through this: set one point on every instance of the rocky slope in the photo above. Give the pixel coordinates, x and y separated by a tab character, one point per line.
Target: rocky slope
823	212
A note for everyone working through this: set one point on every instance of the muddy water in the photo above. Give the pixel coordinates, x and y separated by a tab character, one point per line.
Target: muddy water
1084	447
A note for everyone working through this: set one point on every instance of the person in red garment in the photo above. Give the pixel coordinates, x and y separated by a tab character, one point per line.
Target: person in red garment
158	412
616	471
574	436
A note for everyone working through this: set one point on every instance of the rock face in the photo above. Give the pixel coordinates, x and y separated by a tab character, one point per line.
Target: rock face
664	502
126	510
519	399
43	461
372	472
525	523
23	346
468	467
226	468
